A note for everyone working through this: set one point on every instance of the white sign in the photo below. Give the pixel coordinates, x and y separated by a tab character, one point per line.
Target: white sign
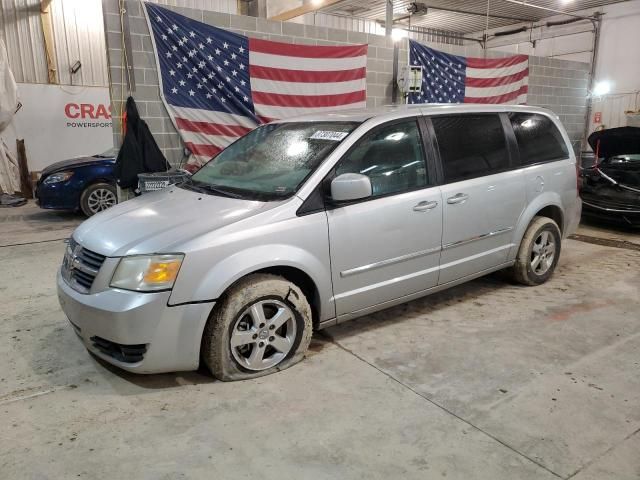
58	122
329	135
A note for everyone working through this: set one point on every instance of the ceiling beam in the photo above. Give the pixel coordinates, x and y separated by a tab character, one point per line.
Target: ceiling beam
547	9
479	14
303	9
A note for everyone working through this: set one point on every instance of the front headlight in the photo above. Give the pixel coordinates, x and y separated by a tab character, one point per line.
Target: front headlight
58	177
147	273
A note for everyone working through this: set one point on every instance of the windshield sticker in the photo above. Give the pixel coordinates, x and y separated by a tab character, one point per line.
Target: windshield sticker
328	135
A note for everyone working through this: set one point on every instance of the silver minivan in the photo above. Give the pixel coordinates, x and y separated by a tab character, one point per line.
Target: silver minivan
309	222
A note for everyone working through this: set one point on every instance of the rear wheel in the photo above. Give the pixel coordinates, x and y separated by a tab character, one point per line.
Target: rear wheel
538	253
98	197
260	326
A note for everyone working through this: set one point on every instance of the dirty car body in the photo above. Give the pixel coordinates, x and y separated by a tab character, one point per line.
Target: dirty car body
343	214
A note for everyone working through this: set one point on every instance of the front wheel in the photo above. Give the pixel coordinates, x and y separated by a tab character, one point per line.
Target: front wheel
98	197
538	253
260	326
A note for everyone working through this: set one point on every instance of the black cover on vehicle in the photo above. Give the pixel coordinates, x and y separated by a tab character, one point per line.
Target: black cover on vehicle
139	152
615	141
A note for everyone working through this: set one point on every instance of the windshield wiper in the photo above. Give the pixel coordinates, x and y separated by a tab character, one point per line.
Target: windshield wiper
209	188
216	189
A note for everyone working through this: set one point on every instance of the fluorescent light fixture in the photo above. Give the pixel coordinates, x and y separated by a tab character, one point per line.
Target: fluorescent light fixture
398	34
602	88
395	136
317	2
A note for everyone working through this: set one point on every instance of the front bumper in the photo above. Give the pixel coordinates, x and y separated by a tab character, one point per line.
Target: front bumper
170	336
619	215
57	196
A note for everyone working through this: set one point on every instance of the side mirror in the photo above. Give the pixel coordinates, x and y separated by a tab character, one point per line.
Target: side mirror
350	186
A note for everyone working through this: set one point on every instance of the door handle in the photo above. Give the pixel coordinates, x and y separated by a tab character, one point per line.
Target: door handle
458	198
424	206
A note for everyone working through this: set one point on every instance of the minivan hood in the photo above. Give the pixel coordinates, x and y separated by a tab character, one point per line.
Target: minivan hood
162	221
615	141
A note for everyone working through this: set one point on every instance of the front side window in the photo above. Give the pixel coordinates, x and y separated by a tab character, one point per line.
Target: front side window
539	140
272	161
391	156
470	145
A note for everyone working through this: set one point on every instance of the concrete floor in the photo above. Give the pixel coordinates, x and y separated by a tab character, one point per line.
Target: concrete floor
487	381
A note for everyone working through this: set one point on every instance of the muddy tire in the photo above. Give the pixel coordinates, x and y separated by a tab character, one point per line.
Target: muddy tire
538	253
261	325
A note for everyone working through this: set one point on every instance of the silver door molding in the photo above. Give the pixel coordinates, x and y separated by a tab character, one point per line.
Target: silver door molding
389	261
477	237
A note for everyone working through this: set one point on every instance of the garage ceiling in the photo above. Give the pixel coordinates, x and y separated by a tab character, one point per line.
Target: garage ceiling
464	16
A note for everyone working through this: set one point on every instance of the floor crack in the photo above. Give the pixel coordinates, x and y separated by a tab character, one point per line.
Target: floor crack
438	405
598	457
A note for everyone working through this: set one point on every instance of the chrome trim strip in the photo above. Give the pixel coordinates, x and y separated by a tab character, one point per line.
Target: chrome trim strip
478	237
389	261
614	210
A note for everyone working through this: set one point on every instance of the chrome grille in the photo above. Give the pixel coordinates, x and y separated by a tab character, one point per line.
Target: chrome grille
80	266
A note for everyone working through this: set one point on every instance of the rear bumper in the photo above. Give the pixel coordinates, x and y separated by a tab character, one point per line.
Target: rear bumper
573	218
137	332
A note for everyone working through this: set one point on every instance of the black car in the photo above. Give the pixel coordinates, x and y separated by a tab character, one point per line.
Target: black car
611	186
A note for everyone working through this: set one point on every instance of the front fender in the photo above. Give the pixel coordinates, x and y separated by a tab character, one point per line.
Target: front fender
543	200
232	268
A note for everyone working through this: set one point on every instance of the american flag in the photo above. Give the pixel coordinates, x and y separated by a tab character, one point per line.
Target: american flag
450	78
218	85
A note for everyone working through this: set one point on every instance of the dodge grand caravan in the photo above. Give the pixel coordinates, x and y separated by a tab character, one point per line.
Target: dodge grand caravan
309	222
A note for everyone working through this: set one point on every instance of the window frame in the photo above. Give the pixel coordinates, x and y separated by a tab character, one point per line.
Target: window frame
516	146
512	164
325	183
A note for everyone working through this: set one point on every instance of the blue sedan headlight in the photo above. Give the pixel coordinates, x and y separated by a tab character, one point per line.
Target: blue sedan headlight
58	177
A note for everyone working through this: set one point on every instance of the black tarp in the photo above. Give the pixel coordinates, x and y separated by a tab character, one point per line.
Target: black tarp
139	152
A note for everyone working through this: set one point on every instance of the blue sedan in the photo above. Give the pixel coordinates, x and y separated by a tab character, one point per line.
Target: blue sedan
86	183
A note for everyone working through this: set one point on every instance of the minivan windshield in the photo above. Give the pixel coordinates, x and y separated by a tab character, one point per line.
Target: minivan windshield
272	161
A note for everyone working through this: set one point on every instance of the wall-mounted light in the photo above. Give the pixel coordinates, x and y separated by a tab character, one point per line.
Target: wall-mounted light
398	34
75	67
317	3
602	88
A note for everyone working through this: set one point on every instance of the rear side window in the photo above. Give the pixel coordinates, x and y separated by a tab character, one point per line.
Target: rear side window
470	146
539	140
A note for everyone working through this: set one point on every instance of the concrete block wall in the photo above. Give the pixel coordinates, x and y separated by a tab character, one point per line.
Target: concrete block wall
552	82
561	86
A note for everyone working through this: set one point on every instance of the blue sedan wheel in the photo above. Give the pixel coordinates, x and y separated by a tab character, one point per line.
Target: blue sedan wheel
98	197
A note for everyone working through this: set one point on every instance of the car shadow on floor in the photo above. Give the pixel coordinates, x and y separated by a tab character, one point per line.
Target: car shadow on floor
467	292
470	292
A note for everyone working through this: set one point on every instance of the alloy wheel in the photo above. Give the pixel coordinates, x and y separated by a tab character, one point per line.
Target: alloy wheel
263	335
101	199
543	252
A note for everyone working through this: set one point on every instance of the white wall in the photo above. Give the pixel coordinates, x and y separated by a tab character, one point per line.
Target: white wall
619	52
619	45
78	32
618	59
60	122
